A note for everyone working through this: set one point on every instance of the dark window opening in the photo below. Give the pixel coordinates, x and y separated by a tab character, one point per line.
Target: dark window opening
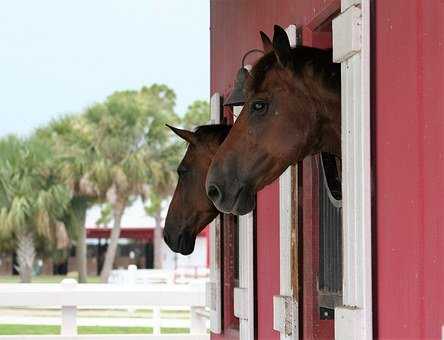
330	236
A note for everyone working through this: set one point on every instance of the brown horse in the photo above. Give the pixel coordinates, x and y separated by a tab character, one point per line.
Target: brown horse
292	110
190	209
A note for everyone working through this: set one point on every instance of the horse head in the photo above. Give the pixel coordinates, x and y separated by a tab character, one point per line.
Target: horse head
190	209
292	110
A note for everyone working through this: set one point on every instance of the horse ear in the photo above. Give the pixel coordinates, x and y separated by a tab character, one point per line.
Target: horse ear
184	134
266	42
281	45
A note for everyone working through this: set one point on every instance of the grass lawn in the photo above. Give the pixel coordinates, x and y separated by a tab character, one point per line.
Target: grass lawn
49	330
43	279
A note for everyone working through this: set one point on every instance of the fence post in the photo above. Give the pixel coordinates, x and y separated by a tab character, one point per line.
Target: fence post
132	274
69	313
131	279
198	320
156	320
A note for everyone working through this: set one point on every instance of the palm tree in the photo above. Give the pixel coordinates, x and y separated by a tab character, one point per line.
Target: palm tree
81	170
127	181
162	182
33	201
128	134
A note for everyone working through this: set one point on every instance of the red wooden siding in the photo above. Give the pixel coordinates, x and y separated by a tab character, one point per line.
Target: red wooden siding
235	29
409	151
310	245
267	260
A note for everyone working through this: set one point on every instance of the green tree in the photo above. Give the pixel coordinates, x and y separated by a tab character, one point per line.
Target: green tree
198	113
106	215
129	138
162	185
33	202
80	168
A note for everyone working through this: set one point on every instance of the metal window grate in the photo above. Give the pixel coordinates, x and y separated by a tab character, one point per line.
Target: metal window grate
330	234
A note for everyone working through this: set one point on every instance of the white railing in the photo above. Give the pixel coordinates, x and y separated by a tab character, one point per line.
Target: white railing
132	275
69	295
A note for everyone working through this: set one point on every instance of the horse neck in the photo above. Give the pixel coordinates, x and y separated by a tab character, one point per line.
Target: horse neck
331	140
328	108
326	94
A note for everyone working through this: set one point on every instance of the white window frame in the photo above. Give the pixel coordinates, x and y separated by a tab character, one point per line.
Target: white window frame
214	286
285	305
351	47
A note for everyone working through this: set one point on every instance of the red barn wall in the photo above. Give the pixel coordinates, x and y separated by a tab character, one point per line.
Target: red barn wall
408	145
267	260
409	168
235	27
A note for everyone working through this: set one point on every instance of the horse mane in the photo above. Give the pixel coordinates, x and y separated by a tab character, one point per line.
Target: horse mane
320	60
216	132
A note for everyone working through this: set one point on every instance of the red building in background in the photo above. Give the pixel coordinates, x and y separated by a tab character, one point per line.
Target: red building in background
136	246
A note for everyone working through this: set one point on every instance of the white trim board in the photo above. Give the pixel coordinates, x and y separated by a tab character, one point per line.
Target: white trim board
285	319
285	314
214	286
244	294
351	47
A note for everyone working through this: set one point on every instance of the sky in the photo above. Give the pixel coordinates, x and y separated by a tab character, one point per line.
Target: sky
58	57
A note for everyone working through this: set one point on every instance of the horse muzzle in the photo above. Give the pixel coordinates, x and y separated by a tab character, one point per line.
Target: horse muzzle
183	242
231	200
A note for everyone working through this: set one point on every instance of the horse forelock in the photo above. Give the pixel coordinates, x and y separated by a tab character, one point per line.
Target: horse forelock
259	71
320	60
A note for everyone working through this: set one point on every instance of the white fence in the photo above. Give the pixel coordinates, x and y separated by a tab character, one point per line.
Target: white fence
69	296
132	275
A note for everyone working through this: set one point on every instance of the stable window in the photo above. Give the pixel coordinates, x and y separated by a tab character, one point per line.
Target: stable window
326	235
321	221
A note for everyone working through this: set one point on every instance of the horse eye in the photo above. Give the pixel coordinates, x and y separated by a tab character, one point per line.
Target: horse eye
259	107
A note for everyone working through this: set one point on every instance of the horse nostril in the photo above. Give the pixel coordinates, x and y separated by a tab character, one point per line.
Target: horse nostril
213	192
